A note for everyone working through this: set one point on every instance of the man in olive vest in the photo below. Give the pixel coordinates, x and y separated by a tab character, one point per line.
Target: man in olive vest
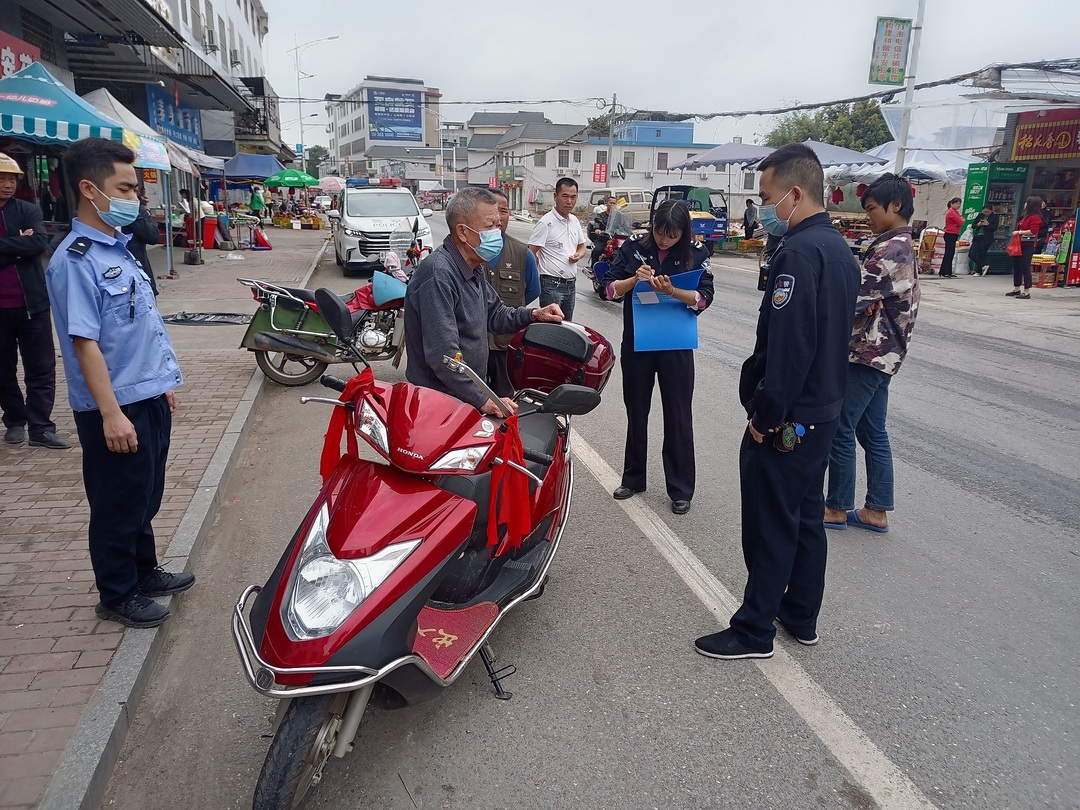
516	279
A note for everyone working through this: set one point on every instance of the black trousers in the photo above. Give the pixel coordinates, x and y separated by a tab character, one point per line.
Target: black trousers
950	252
32	338
675	372
1022	266
497	377
980	246
783	535
124	490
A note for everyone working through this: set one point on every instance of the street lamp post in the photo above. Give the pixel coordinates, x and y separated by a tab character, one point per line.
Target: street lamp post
297	52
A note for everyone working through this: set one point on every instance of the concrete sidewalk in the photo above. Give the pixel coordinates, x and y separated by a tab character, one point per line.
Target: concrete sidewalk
70	683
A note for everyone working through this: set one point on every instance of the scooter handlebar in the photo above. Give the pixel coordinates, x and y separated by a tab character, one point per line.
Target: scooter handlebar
335	383
538	457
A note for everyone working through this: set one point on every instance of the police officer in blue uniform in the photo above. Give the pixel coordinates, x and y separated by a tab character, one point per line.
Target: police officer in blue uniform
121	371
792	388
667	250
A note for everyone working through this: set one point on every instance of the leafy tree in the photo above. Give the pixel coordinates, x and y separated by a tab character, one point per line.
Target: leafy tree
315	154
858	126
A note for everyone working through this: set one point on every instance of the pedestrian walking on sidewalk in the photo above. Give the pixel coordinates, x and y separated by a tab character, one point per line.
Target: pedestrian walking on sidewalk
792	388
25	323
1028	231
954	223
558	242
668	250
121	371
884	320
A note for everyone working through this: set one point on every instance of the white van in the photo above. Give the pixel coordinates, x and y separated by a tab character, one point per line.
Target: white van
638	201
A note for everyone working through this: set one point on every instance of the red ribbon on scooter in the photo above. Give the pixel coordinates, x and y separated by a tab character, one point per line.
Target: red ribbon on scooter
509	493
363	383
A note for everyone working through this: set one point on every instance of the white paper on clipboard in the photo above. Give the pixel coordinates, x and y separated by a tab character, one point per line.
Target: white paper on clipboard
648	298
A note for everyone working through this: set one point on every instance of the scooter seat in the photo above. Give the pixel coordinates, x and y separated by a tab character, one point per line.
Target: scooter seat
299	292
539	431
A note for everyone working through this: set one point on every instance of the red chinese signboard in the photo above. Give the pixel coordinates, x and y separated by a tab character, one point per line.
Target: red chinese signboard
16	54
599	173
493	182
1046	135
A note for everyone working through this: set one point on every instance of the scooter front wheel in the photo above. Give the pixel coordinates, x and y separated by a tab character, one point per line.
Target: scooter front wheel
289	369
298	754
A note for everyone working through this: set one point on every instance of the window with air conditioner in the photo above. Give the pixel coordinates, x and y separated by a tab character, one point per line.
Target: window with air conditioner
564	158
628	160
577	156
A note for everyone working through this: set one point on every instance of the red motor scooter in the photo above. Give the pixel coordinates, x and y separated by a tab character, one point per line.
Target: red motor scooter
403	568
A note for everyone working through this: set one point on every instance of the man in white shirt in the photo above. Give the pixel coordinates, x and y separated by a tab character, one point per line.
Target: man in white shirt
558	242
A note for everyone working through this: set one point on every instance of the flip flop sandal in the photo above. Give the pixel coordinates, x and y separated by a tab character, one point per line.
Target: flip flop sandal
837	526
853	520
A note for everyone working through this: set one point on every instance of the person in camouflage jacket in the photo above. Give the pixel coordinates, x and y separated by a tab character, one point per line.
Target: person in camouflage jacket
885	315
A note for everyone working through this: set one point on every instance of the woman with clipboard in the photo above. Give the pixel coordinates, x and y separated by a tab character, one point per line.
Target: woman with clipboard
664	278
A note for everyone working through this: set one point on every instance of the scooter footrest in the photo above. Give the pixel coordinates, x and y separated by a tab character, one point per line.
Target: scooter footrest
444	637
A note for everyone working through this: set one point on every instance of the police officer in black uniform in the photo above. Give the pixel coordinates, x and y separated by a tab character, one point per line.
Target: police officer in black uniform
792	388
667	250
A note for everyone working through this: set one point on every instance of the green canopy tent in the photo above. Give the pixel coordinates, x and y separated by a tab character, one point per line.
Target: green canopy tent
291	178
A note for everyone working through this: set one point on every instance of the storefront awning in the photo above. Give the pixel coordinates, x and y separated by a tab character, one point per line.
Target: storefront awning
148	145
133	21
36	107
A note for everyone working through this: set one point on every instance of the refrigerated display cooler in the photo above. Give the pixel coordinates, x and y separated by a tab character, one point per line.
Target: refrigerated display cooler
1001	185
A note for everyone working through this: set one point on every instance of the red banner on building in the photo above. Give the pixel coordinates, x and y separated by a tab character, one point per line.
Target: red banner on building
1047	134
16	54
599	173
493	183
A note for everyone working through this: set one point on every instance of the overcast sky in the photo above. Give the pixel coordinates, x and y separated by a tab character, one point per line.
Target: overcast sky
678	56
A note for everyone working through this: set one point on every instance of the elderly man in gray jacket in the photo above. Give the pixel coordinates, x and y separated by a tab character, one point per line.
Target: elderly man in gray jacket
450	307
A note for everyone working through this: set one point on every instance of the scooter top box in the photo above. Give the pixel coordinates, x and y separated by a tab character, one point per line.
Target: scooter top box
544	356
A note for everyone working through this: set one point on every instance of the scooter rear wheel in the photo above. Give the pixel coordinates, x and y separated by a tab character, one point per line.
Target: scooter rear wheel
289	369
297	754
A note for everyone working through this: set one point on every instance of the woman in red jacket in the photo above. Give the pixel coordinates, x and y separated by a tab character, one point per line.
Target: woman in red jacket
954	223
1028	229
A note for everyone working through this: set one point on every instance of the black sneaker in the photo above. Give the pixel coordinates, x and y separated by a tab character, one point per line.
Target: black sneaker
50	440
727	646
162	583
137	611
15	434
804	638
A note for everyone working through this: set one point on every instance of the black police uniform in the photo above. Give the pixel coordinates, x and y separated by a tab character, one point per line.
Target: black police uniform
674	370
797	373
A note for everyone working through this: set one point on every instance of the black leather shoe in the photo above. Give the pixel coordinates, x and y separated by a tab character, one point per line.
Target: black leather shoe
50	440
137	611
680	507
162	583
622	493
15	435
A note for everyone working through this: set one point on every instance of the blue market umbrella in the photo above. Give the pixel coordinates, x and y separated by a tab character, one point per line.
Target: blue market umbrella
36	107
830	155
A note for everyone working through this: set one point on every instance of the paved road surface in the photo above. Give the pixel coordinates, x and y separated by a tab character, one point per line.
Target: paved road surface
948	669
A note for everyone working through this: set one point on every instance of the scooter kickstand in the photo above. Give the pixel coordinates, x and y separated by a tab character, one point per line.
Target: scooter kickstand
487	655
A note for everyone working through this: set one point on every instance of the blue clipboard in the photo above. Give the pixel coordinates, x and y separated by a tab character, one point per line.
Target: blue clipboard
666	323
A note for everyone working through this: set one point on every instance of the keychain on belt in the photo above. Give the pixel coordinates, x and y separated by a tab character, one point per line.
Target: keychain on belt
788	435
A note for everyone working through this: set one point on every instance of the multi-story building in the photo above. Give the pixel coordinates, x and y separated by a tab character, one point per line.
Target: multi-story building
189	68
486	129
381	120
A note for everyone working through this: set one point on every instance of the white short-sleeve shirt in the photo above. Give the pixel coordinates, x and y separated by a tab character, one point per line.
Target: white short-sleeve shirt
558	239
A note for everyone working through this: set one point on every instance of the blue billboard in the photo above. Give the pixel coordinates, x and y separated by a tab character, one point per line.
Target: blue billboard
395	115
178	122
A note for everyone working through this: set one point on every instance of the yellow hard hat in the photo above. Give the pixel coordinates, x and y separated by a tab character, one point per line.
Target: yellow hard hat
8	165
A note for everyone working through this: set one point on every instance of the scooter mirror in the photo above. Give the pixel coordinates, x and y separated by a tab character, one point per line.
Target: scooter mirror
571	400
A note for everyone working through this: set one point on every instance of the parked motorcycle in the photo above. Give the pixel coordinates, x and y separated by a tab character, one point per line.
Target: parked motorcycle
293	344
618	231
401	570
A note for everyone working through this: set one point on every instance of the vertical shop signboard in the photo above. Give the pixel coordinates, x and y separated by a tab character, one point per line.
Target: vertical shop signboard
975	193
177	121
599	173
888	62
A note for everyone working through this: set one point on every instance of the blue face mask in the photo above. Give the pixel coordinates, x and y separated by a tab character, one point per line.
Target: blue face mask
121	212
772	223
491	244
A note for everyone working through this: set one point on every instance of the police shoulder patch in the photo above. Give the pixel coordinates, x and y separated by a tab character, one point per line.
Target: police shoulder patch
112	272
783	290
80	245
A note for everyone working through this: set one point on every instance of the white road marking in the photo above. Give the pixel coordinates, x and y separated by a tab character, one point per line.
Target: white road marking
867	764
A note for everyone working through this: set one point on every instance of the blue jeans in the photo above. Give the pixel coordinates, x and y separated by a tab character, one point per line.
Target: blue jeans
866	404
559	291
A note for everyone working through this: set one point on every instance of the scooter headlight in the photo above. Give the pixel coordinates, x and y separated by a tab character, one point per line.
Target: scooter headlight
373	427
325	590
465	458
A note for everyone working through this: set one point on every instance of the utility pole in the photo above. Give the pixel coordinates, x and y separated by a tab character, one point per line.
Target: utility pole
611	135
909	93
